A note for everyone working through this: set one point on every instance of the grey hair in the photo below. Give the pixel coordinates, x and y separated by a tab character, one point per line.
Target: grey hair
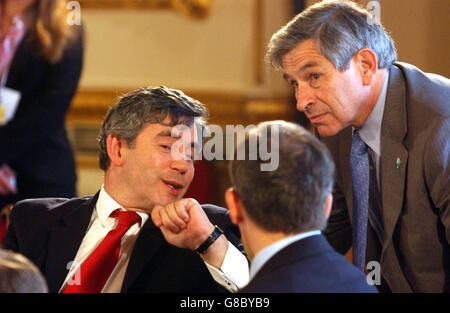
146	105
340	29
20	275
292	198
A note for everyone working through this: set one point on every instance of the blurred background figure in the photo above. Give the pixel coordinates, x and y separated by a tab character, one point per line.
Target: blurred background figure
40	65
19	275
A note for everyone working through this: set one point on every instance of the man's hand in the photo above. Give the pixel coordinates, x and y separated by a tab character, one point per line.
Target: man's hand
184	224
7	181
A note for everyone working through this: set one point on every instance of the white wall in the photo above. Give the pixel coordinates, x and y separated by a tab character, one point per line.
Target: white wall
130	48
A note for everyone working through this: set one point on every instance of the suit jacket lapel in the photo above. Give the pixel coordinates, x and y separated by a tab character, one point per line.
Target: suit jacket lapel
393	131
394	157
64	241
150	240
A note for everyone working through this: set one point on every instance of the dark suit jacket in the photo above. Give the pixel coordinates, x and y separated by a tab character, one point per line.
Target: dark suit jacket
415	198
308	265
49	232
35	142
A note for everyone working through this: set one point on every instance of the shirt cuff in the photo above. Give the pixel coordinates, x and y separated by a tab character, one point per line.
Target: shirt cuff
234	272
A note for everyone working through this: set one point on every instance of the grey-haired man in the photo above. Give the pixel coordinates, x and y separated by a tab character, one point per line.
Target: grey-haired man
391	120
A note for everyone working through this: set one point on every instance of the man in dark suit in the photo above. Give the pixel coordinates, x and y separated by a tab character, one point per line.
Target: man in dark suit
282	212
68	238
391	200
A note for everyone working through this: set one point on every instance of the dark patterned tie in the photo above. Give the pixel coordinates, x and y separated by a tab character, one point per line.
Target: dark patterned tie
359	164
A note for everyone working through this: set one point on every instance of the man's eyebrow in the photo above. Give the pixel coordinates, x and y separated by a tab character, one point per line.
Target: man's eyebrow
308	65
301	69
166	133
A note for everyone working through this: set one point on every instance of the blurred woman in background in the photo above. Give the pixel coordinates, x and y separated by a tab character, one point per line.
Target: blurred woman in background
41	58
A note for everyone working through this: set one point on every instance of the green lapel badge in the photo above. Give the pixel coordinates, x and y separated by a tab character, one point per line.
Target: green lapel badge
398	163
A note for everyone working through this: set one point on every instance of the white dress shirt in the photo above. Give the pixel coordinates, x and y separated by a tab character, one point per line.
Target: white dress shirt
370	131
233	273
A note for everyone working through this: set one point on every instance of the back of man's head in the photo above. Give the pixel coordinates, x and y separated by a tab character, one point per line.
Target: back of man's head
291	198
19	275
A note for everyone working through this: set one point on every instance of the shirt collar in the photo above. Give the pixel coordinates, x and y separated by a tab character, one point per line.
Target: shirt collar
106	205
370	131
265	254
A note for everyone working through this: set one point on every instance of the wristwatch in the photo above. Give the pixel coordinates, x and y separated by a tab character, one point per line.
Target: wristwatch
210	240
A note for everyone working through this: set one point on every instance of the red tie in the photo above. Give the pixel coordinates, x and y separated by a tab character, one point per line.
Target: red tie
97	268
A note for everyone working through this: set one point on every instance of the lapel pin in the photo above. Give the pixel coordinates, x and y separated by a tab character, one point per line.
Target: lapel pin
398	163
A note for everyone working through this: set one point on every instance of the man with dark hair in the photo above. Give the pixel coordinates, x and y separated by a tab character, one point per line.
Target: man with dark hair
281	214
387	127
107	242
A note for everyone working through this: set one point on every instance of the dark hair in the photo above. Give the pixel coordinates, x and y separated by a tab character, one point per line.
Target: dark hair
290	199
340	28
151	105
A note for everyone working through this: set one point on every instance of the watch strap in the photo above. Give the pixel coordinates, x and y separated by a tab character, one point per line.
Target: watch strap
210	240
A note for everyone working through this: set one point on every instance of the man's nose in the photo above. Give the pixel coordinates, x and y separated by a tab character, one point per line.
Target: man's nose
181	165
304	96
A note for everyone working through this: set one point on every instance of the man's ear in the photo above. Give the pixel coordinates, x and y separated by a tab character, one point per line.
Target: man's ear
328	205
114	147
234	206
367	64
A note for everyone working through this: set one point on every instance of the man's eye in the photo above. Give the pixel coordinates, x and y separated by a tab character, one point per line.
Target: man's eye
294	83
165	147
315	76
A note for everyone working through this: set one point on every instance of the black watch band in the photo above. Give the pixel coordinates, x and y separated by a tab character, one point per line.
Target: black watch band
209	241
